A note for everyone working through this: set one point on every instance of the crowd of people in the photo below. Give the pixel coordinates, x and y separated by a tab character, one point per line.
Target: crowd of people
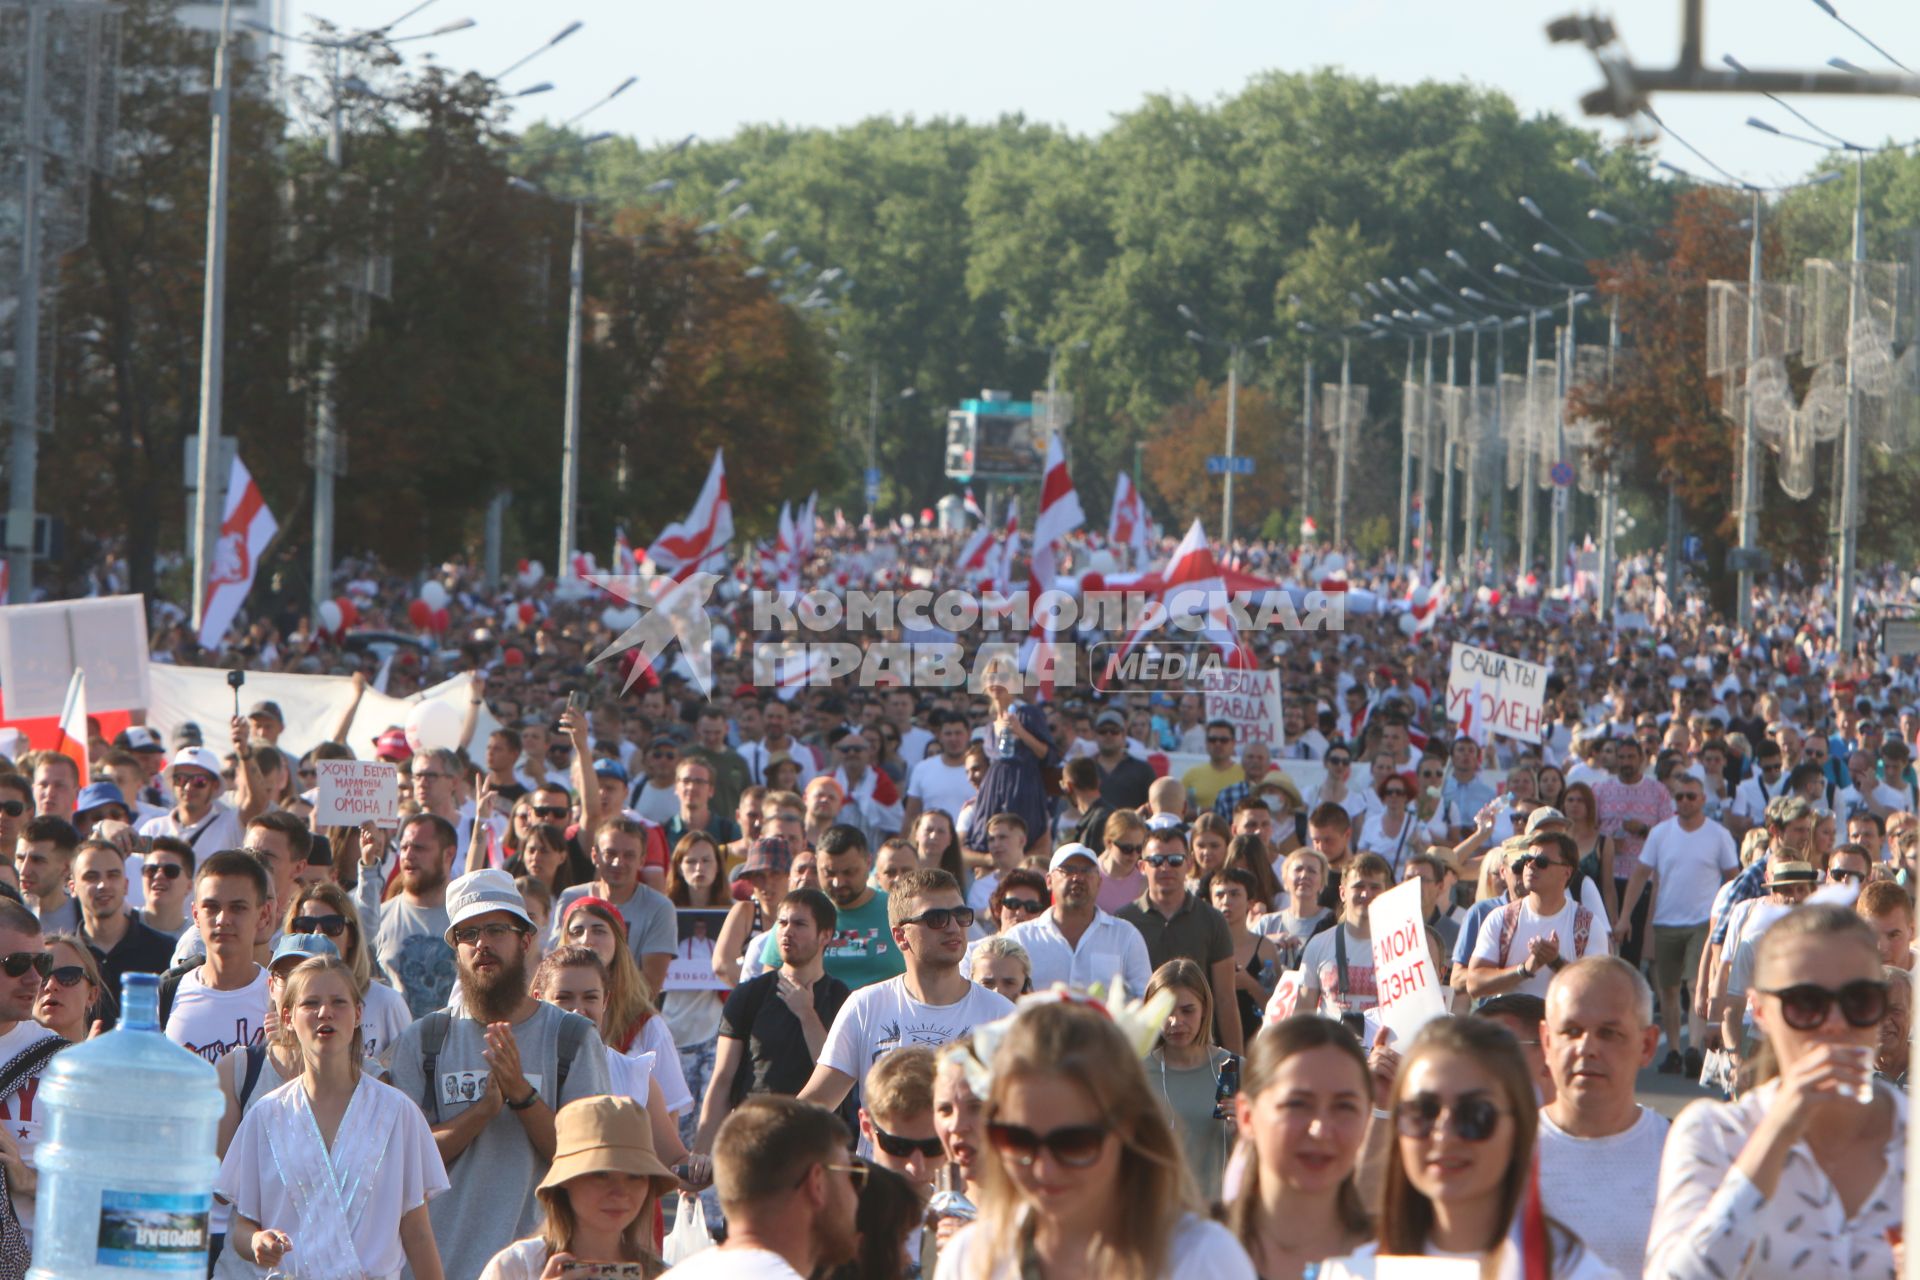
869	982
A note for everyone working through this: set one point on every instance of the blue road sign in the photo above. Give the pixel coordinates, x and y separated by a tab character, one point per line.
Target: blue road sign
1220	464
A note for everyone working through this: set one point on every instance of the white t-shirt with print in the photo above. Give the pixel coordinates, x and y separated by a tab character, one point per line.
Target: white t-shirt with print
884	1017
214	1023
1487	946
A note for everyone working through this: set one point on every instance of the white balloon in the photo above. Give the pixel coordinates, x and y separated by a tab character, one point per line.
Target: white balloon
618	617
1408	624
432	725
329	616
434	594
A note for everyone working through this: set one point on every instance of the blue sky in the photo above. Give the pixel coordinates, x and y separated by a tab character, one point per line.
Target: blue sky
708	68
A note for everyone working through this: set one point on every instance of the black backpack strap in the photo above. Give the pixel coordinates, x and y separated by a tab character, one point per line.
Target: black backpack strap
26	1064
256	1058
1340	959
433	1038
170	987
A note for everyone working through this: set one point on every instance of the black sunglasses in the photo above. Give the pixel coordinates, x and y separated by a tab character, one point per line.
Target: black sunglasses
332	926
1840	875
1470	1119
170	870
1804	1005
1219	741
549	811
67	975
900	1148
16	964
1032	906
1131	850
1165	859
941	917
1076	1145
1336	761
13	808
1538	861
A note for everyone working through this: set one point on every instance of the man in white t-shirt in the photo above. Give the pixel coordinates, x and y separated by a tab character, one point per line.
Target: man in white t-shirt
789	1189
1687	857
25	1046
1599	1149
930	1004
1337	965
941	782
221	1006
1522	944
207	823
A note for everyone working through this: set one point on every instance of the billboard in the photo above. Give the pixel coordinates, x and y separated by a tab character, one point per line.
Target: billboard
994	440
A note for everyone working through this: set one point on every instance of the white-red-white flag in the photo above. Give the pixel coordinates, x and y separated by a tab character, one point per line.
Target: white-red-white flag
804	527
971	505
700	541
1127	525
73	722
624	563
1060	514
245	530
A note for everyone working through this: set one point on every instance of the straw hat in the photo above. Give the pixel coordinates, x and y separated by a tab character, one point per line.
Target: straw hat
604	1135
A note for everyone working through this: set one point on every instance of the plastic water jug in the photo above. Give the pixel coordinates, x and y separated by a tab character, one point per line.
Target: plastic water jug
126	1158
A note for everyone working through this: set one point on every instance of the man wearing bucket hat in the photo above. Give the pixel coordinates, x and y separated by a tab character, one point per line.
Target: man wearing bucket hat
199	816
491	1074
595	1136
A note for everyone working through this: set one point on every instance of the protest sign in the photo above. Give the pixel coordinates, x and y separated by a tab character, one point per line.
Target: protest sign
1489	693
1409	986
42	644
691	968
356	791
1249	701
1285	1001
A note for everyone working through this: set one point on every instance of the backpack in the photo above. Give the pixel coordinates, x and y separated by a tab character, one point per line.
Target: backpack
574	1033
170	985
1510	926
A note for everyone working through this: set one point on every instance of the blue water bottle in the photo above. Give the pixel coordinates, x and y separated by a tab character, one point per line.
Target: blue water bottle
126	1158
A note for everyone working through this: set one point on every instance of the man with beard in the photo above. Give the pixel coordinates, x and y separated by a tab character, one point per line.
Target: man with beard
861	951
780	1228
490	1075
1074	941
408	930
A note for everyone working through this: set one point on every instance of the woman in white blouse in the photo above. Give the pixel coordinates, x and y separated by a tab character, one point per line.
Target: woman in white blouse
1391	830
1799	1176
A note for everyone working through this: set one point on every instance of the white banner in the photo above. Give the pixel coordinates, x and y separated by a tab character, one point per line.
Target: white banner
1249	700
312	705
1490	693
356	791
42	644
1403	972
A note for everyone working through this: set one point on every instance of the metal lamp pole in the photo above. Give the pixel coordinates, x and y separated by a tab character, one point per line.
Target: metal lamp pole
1749	434
213	320
570	432
1844	596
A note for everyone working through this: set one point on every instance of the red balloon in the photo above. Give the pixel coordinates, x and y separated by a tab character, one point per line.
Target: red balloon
1493	598
440	619
420	614
527	613
522	566
349	612
514	658
1093	582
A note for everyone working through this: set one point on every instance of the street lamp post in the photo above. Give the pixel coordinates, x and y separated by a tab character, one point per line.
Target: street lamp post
212	324
570	429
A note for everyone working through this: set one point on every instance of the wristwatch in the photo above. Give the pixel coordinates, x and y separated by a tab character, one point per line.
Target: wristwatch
533	1096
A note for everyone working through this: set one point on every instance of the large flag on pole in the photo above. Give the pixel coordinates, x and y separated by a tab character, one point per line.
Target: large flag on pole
1127	525
699	542
1060	514
245	531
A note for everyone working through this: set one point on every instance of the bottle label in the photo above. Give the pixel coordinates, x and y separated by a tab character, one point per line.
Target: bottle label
154	1231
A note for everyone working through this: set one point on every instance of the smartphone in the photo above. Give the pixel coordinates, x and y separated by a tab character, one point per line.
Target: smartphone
602	1271
577	701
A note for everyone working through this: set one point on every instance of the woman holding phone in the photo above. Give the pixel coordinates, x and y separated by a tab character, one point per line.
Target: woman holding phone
598	1199
1811	1163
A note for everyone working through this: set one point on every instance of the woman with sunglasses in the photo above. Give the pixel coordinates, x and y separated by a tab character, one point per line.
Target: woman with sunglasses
326	909
1082	1175
1337	786
1304	1104
1021	895
1392	831
1803	1174
1456	1180
333	1170
71	1002
1185	1068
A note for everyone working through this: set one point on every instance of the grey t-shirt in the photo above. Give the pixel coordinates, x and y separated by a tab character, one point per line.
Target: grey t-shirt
492	1202
411	950
652	928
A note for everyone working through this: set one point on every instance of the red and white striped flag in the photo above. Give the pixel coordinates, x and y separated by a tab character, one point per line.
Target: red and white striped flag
1060	514
700	541
972	505
1127	526
624	563
245	531
73	722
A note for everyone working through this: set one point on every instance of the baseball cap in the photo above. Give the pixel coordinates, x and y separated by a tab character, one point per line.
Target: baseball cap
195	758
1109	717
96	794
1068	852
140	738
478	892
606	767
392	746
187	735
302	946
663	742
1540	817
270	710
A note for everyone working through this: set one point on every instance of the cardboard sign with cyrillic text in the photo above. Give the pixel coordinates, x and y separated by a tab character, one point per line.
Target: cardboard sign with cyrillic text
1490	693
1249	701
1409	987
356	791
